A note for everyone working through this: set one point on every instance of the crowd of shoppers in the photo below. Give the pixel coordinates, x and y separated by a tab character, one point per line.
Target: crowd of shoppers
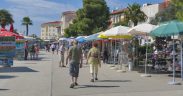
33	50
73	56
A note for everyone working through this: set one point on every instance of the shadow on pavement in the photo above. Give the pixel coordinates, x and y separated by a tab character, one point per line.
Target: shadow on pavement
114	81
39	59
176	75
30	63
6	77
96	86
4	89
16	69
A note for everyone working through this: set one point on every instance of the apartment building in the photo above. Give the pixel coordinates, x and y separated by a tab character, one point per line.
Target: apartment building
66	19
51	30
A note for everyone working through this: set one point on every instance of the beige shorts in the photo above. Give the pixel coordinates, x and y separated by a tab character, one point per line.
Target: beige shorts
94	68
62	59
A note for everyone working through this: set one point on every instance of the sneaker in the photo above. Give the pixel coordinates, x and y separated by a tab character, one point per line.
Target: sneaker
72	85
92	80
76	84
96	78
63	66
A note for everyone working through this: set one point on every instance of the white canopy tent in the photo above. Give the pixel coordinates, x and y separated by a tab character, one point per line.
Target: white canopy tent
117	31
143	30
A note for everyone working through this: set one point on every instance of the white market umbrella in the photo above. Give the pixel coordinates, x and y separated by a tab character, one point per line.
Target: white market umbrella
115	32
61	39
143	30
120	32
28	38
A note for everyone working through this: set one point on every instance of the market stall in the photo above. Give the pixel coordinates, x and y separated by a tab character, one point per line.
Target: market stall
8	46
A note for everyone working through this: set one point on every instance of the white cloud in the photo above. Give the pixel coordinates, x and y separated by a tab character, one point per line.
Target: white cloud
34	8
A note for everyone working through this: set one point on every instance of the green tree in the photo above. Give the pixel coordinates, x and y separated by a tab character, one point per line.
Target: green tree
179	7
5	18
26	21
122	23
92	18
71	31
134	14
167	14
34	36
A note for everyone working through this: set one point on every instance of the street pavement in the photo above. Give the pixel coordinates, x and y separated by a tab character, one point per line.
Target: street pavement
44	77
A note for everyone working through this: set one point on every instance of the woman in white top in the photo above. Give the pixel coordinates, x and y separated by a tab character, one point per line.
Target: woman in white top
62	52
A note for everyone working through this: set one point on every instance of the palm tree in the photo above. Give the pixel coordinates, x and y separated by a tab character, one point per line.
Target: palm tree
5	18
26	21
134	14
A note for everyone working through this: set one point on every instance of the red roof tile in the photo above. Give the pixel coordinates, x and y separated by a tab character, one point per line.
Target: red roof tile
54	22
118	11
69	12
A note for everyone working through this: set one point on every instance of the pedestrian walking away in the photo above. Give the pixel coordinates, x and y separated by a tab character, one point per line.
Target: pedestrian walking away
75	61
32	52
36	51
26	50
93	59
52	47
57	48
62	55
105	55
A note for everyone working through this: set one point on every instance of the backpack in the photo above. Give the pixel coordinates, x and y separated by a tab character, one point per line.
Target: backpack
94	53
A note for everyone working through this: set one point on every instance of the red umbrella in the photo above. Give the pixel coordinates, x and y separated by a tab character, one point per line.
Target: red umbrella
4	32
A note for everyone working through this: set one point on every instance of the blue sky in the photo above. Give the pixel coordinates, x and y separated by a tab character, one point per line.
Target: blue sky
41	11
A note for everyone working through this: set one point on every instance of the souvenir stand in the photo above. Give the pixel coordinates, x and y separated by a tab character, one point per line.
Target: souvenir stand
8	47
171	28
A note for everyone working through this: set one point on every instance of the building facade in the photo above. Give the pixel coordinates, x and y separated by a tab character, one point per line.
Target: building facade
66	19
117	16
51	30
149	9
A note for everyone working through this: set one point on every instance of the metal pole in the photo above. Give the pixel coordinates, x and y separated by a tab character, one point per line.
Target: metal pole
146	56
146	75
121	55
173	60
181	60
114	51
111	51
173	82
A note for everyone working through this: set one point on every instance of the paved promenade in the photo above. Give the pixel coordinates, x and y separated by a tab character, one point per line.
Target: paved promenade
33	78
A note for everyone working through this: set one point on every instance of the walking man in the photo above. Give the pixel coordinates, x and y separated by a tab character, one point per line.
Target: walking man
105	55
26	50
75	61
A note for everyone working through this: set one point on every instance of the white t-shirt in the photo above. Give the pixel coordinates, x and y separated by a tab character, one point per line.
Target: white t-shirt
52	46
62	49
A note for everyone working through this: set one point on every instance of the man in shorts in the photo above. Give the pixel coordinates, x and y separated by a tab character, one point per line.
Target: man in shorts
75	61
